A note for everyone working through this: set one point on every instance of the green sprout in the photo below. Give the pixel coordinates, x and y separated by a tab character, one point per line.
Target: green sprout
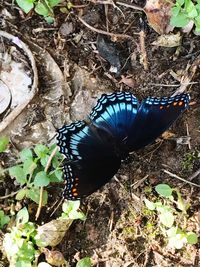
41	7
184	12
31	173
169	217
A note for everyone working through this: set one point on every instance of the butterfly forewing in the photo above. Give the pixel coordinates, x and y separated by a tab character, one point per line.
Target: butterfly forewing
154	116
115	113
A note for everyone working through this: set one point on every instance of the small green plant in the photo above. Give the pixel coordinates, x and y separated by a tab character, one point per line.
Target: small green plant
4	141
184	12
31	173
22	244
18	244
170	219
71	210
188	161
4	219
41	7
85	262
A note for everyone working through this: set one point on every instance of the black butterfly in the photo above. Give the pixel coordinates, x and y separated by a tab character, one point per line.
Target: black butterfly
117	125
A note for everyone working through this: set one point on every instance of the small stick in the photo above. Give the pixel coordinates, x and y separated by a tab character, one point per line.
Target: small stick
10	195
114	35
130	6
41	188
194	175
171	85
189	74
188	134
180	178
143	56
139	182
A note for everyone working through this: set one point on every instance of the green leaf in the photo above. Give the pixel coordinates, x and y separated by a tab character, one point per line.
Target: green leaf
29	166
171	232
176	10
4	219
49	19
41	179
164	190
180	20
44	160
150	205
197	19
23	264
70	205
41	150
25	154
21	194
53	3
190	9
22	216
56	176
34	194
177	241
70	209
180	2
25	5
18	173
42	9
166	218
4	141
192	238
85	262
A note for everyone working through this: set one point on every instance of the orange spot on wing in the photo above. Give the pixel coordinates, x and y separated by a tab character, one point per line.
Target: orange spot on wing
180	103
75	194
161	107
175	103
74	190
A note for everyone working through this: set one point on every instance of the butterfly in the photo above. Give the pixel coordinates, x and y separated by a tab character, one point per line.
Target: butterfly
116	126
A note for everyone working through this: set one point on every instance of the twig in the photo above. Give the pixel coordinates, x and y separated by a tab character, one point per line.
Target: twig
139	182
180	178
189	73
115	35
194	175
10	195
143	56
171	85
41	188
188	134
57	206
130	6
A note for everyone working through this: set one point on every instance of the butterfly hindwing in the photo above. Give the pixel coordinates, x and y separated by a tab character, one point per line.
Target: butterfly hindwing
90	159
154	116
85	177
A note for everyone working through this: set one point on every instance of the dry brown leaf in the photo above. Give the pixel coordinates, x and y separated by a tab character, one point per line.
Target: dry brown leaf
168	40
54	257
167	135
127	81
158	13
51	233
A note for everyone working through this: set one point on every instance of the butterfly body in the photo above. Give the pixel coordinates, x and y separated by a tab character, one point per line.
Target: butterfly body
117	125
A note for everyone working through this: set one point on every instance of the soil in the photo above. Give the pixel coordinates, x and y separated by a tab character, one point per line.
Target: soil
115	232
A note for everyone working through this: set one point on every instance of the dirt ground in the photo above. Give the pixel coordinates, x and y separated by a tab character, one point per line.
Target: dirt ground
72	75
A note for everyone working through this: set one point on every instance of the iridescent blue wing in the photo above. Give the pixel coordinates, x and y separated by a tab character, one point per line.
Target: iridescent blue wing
154	116
115	113
91	160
